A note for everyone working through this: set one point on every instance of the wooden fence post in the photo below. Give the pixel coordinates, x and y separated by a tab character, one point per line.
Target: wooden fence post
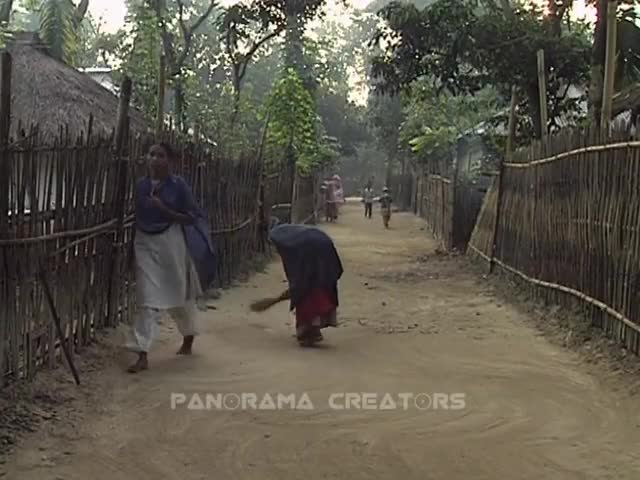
5	182
610	65
542	91
120	198
508	154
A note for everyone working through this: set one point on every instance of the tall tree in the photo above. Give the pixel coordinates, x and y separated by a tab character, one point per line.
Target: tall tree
245	28
177	46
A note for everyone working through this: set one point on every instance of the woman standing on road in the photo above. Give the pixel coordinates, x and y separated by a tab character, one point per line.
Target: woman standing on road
169	225
331	206
313	268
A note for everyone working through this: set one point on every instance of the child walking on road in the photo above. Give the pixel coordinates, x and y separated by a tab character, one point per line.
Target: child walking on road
385	206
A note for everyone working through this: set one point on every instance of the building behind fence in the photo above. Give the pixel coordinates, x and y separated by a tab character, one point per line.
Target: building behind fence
566	219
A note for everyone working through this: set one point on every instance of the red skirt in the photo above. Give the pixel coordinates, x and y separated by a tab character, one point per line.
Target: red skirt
317	305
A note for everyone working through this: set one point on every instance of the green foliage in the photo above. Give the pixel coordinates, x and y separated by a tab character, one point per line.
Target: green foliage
461	48
57	29
295	131
435	121
60	24
140	52
628	43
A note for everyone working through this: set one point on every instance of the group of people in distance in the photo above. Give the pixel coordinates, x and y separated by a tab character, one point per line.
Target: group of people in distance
175	261
334	198
368	199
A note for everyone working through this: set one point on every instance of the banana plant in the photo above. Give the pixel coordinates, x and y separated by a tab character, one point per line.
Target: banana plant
58	22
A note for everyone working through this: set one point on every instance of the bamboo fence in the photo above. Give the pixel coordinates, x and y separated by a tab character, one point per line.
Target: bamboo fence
67	227
436	207
306	199
450	207
402	186
63	215
278	194
569	225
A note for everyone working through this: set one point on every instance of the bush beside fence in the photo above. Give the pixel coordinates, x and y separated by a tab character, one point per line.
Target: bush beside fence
569	225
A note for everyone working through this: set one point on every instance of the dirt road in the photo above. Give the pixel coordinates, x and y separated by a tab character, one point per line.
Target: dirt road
413	322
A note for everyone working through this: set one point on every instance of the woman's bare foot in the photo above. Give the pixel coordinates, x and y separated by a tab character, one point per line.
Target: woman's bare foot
140	365
187	346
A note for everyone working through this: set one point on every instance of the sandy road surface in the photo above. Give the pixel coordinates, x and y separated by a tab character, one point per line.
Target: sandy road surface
412	322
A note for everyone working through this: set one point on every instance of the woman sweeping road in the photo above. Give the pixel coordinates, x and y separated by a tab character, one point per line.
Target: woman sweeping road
172	237
313	268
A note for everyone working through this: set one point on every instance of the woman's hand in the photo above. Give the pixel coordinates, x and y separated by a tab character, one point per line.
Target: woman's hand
157	203
286	295
176	217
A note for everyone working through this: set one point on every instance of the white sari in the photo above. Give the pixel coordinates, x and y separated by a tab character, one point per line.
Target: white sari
166	282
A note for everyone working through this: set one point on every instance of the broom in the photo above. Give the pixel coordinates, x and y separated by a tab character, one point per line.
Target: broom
266	303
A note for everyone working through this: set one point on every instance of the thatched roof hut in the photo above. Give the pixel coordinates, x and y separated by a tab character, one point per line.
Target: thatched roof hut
50	94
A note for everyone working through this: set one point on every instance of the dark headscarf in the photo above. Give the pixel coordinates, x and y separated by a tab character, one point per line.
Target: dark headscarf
309	258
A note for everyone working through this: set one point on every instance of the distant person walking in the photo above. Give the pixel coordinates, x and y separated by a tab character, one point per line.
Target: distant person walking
367	199
339	191
385	207
330	204
172	237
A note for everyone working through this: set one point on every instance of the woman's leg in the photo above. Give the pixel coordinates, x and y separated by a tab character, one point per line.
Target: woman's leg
308	334
144	332
186	321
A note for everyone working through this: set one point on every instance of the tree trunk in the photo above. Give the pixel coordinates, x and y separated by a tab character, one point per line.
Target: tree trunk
179	107
236	102
598	58
294	56
557	11
389	173
294	51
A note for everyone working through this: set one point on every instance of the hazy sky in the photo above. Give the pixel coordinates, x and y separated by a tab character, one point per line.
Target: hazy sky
112	12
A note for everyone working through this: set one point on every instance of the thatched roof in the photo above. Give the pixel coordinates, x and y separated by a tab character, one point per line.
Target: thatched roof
51	94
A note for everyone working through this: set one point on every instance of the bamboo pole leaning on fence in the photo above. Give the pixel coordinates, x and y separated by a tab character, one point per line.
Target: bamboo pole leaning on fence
64	344
542	91
610	65
508	155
